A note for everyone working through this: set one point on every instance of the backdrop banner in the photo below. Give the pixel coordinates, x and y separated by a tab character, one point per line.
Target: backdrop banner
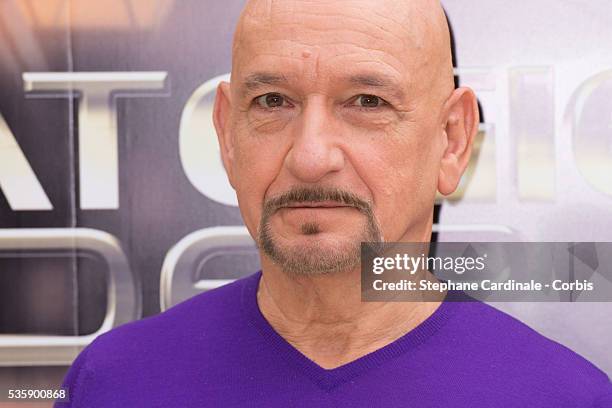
114	204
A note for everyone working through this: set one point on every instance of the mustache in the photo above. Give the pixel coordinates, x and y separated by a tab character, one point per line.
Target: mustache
314	195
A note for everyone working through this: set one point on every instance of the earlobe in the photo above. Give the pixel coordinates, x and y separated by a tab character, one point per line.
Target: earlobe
221	116
462	120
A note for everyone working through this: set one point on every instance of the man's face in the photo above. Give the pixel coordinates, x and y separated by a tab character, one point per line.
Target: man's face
335	131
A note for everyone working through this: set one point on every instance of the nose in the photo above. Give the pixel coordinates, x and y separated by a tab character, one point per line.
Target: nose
315	151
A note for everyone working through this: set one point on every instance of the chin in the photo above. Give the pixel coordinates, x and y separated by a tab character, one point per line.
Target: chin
315	254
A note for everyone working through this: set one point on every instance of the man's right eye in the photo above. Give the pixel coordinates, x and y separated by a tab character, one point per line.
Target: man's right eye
270	100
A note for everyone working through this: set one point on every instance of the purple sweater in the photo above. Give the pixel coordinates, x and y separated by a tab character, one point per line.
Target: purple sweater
217	350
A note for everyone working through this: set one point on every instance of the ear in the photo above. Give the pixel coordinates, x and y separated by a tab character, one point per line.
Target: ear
461	126
221	117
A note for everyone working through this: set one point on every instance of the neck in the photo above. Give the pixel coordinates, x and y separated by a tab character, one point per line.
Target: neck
324	318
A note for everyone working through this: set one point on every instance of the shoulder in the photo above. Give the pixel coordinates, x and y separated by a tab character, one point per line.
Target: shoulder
196	319
205	314
178	339
526	357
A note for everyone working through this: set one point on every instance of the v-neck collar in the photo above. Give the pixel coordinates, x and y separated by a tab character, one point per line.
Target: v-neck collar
330	378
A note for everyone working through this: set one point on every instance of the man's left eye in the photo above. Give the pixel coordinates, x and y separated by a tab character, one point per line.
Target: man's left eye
369	101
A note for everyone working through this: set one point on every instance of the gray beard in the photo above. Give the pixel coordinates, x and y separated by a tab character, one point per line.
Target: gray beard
315	259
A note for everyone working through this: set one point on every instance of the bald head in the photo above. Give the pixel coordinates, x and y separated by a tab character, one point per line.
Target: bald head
409	36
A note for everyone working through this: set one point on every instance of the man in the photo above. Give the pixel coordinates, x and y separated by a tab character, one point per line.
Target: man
339	124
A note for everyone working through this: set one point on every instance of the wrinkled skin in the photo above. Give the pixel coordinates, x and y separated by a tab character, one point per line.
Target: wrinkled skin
353	95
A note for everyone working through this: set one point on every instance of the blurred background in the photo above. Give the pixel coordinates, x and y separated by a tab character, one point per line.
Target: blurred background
114	204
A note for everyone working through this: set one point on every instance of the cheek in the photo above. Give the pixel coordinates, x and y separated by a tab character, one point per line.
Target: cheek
400	167
258	159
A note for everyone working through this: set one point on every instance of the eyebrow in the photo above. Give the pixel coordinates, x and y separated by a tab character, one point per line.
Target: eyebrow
378	81
257	80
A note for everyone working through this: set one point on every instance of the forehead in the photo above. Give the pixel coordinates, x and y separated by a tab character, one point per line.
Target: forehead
330	38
